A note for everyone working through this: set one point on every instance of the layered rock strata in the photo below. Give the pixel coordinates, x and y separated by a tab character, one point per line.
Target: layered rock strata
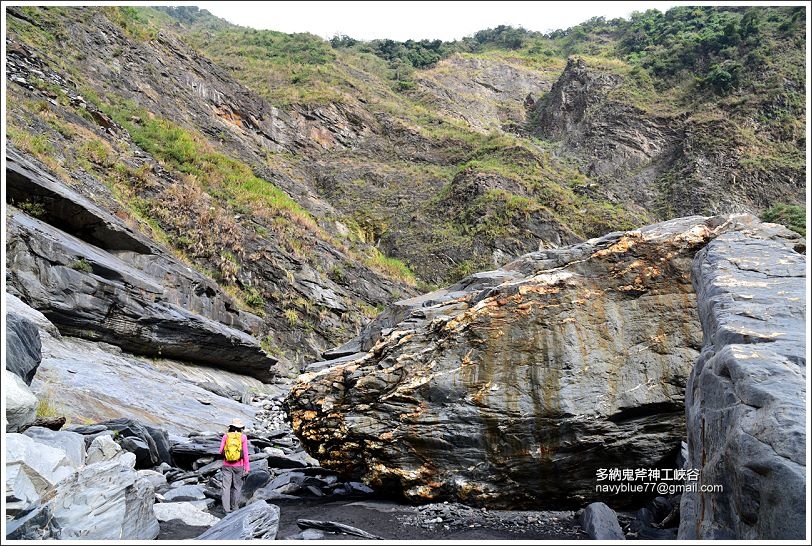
745	400
97	279
516	386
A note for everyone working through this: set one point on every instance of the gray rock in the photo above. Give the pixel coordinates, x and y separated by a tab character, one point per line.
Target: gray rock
186	512
316	366
600	522
279	461
255	479
336	527
103	448
204	504
260	465
193	448
155	478
71	443
33	468
23	347
185	493
144	456
18	307
139	518
745	398
21	404
258	520
308	534
105	501
86	430
76	367
162	446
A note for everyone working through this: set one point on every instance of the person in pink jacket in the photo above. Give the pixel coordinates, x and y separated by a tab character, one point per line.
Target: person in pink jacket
233	471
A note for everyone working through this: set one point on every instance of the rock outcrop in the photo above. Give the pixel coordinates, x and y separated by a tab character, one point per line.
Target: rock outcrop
515	387
600	522
487	94
23	349
97	279
745	397
667	163
86	380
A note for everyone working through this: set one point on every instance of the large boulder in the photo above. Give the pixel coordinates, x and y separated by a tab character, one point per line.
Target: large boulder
21	404
745	404
102	500
516	391
105	501
23	347
515	387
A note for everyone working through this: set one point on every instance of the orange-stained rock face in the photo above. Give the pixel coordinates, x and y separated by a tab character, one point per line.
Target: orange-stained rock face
517	393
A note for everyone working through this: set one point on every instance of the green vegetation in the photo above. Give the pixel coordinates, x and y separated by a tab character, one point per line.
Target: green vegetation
292	316
791	216
134	22
81	265
191	154
253	298
35	144
391	267
32	208
46	407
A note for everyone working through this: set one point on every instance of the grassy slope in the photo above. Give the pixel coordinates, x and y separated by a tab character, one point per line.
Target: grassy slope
666	61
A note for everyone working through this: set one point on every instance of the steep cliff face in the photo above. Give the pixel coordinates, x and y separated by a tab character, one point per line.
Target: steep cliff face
486	94
672	163
203	185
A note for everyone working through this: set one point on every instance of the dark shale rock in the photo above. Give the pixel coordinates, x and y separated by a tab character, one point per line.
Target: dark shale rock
23	347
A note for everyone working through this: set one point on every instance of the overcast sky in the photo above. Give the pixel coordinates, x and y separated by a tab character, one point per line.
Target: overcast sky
418	20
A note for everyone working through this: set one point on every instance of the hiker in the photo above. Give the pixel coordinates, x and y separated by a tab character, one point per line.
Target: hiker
234	447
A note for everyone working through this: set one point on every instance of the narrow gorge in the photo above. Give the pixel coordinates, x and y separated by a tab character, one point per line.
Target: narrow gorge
517	286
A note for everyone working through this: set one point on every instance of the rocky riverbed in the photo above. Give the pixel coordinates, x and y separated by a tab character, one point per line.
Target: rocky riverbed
167	487
109	464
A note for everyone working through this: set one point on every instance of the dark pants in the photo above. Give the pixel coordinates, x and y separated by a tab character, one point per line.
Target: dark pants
232	485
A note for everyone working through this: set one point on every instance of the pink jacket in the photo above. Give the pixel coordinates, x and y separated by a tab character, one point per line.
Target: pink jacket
244	462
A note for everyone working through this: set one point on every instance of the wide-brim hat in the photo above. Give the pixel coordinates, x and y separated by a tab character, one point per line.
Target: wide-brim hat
237	423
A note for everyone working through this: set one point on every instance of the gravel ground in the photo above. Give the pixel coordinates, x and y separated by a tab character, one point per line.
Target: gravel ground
392	521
